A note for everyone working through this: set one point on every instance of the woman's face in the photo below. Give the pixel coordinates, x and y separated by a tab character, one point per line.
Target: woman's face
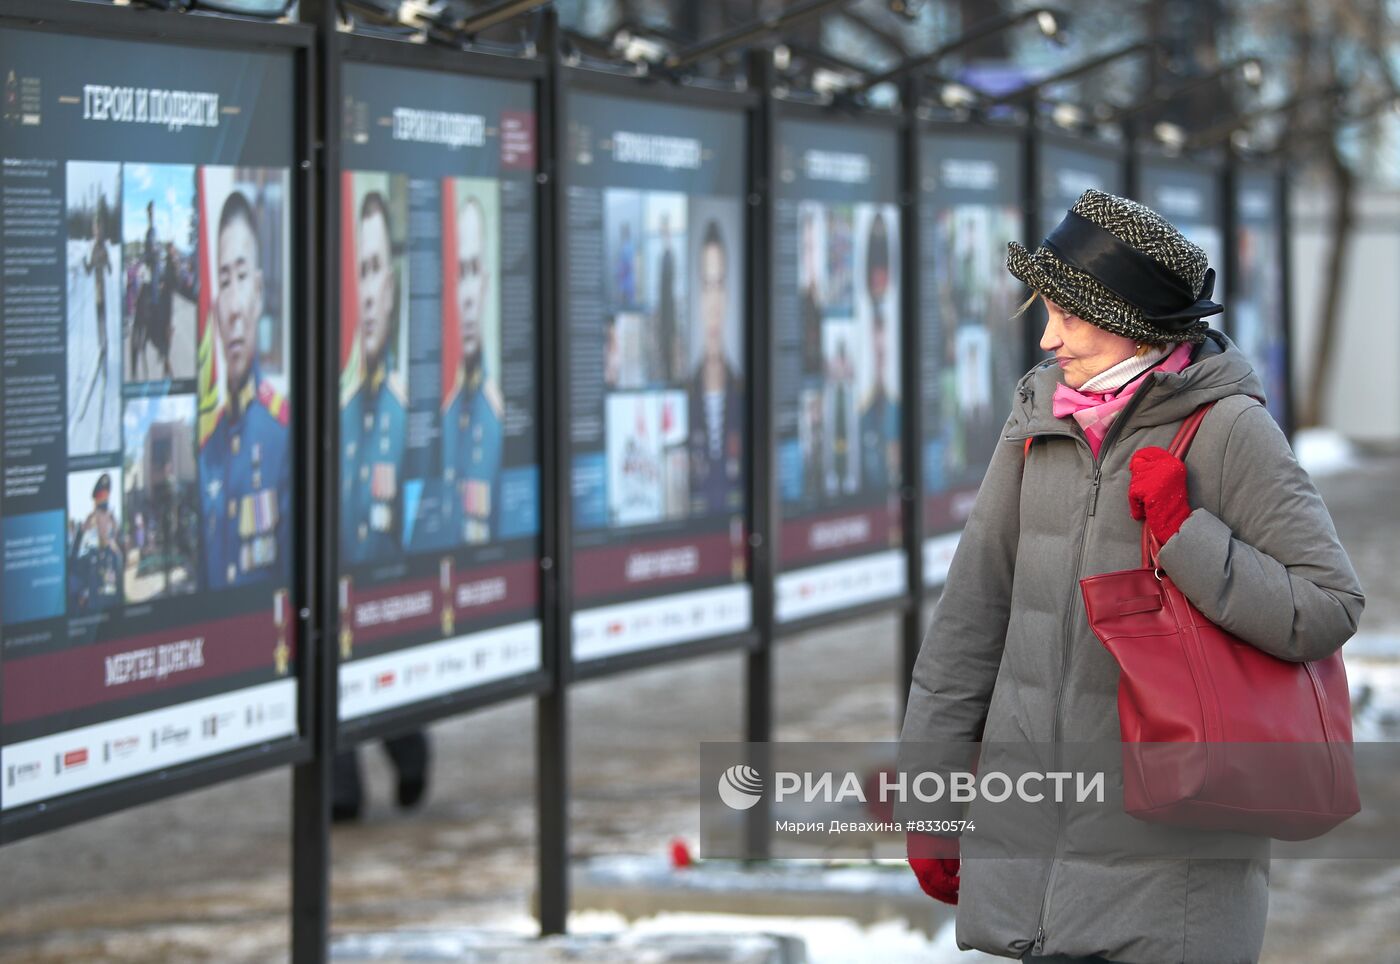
1082	349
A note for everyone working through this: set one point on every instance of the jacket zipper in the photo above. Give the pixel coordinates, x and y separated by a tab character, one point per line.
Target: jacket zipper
1113	432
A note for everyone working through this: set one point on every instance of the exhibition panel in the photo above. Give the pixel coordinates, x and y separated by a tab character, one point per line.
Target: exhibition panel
437	266
655	327
153	411
970	187
837	333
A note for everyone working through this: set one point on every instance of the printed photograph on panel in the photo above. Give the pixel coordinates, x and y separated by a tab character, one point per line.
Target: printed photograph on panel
160	506
94	289
244	426
97	546
159	241
374	358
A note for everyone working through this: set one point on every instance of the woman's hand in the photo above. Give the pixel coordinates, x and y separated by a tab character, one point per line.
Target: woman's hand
935	863
1157	491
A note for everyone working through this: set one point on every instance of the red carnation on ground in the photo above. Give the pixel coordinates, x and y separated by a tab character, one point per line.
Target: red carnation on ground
680	854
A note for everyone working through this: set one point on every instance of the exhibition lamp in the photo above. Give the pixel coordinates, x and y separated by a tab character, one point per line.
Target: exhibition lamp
1069	116
638	49
641	45
956	96
829	74
1171	136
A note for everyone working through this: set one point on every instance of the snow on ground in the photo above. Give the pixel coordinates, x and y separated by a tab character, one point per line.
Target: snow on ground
1323	451
1375	698
828	940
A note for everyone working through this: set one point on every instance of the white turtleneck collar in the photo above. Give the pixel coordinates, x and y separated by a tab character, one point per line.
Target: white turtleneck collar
1112	379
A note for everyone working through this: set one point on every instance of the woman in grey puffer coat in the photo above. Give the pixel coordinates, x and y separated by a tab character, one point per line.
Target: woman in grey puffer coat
1009	656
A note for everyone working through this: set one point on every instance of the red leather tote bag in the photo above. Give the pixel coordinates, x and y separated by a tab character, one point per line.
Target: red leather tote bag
1218	734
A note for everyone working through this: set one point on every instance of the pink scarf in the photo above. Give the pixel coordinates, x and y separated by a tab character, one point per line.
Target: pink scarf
1095	411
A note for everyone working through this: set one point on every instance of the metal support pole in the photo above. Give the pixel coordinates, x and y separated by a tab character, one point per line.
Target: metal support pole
1285	240
911	361
758	662
1228	183
312	781
1132	163
1033	181
551	707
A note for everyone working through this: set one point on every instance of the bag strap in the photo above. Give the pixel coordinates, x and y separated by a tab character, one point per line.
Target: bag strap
1185	435
1180	445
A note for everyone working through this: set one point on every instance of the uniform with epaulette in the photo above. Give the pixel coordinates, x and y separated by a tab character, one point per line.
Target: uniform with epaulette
372	425
95	560
471	457
879	430
245	478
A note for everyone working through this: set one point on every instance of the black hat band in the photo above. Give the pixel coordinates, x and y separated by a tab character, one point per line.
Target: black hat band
1137	278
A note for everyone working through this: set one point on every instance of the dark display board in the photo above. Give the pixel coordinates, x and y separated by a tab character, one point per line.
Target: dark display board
836	335
147	426
970	187
1066	170
439	495
654	247
1255	310
1187	193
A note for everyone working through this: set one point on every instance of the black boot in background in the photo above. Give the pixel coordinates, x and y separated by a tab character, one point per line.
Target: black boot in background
410	756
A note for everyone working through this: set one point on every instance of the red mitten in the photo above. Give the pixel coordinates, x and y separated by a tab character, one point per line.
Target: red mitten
935	863
1157	491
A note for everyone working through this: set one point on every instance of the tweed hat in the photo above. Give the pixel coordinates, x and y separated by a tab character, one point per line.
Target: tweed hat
1123	267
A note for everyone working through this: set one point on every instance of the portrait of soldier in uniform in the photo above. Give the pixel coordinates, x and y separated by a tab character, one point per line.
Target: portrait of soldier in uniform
471	420
811	259
97	553
372	418
879	416
715	405
245	461
841	375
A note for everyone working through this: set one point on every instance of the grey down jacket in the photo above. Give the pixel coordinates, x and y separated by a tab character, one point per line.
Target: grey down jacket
1009	655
